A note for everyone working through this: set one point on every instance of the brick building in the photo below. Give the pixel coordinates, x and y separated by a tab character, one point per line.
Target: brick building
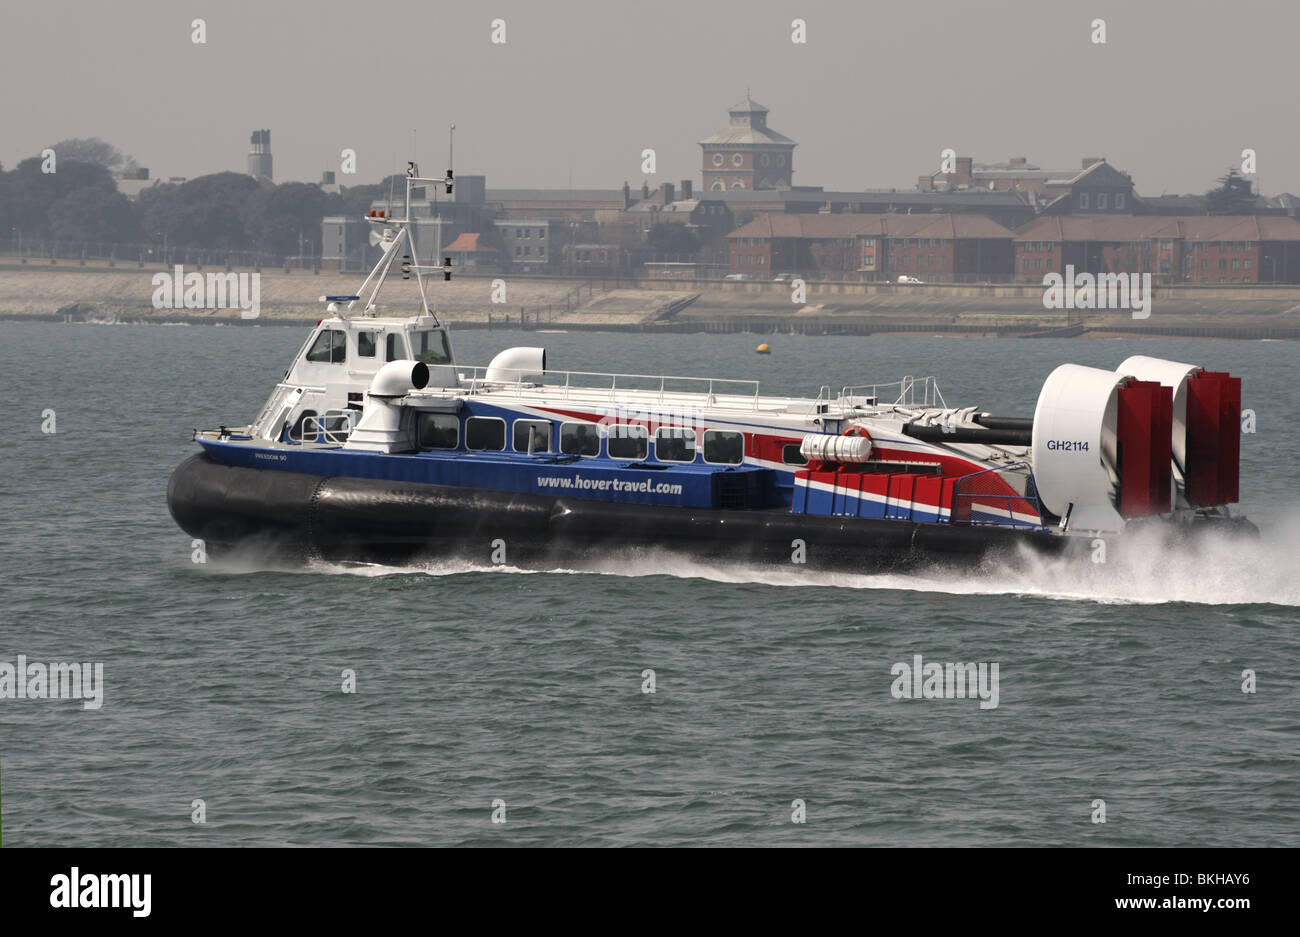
1009	209
708	218
1206	249
747	155
935	248
1096	188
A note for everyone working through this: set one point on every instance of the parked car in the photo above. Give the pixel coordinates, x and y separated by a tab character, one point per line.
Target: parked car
737	276
906	279
786	277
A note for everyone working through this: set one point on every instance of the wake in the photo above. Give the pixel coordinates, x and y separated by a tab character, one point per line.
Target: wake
1215	569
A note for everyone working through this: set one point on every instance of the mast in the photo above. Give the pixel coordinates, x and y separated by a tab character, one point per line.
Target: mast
393	242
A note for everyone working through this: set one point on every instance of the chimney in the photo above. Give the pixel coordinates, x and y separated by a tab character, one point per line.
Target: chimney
327	177
963	174
668	191
627	196
645	191
686	188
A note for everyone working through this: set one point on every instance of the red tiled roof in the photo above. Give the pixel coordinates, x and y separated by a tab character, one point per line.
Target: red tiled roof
845	225
1146	227
469	242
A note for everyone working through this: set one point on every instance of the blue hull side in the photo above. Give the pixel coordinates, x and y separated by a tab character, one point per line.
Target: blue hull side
351	518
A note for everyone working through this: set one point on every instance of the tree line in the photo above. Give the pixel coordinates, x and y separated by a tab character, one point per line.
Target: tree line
80	203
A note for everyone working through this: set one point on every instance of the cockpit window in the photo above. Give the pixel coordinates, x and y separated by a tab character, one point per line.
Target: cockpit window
330	347
366	344
431	347
396	348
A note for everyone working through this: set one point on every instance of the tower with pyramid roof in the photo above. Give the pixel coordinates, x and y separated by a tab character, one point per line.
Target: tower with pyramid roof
747	154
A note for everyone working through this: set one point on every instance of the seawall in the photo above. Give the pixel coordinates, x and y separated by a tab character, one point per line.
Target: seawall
98	293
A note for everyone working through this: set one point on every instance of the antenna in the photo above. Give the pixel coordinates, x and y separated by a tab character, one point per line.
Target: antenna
451	155
390	188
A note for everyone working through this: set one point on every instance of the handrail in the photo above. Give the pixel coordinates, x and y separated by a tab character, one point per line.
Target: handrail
930	395
319	432
565	381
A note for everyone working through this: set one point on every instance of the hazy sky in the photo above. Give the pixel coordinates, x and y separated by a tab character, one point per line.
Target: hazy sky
580	88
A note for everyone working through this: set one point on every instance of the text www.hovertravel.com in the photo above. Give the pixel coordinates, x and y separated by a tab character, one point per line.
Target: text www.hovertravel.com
608	484
1182	904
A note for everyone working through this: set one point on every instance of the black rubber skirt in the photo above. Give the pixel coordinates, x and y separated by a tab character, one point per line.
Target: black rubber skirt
332	518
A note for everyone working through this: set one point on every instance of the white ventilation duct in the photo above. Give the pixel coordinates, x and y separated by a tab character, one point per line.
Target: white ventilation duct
511	365
399	378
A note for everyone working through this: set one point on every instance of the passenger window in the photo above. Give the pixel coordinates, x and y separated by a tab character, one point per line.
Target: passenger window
538	430
439	431
366	344
579	439
673	444
628	441
330	347
431	347
724	447
396	348
485	432
307	425
791	455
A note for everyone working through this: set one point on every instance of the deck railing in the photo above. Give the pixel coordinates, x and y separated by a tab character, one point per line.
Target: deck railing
328	430
912	392
908	392
571	383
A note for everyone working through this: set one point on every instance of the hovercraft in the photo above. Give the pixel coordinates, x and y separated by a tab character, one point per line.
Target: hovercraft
379	446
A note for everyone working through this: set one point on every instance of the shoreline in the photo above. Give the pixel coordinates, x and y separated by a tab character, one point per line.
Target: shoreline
99	294
843	328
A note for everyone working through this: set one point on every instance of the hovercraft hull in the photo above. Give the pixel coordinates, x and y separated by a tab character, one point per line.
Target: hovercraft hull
369	520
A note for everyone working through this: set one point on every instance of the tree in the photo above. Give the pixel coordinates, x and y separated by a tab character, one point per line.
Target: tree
27	194
94	150
275	218
94	214
1233	196
667	239
206	212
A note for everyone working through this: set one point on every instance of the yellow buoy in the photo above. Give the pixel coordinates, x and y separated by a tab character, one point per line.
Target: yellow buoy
763	349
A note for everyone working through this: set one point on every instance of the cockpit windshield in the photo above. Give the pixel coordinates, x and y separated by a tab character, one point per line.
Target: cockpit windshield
431	347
